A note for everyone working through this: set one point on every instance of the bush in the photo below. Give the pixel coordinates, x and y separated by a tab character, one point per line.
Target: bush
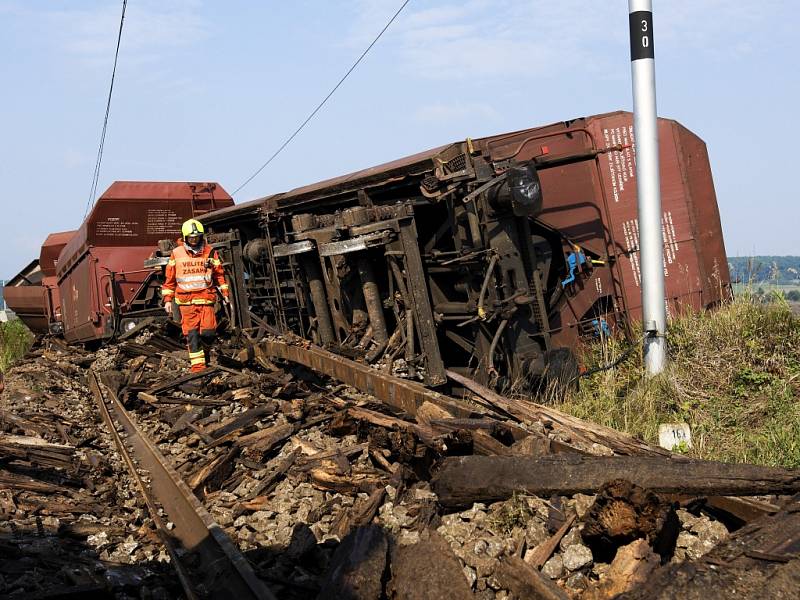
15	340
733	375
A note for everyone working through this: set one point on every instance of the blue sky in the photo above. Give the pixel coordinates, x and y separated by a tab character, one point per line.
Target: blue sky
208	90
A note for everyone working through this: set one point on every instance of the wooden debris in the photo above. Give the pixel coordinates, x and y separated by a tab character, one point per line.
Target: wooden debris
428	411
632	566
361	513
524	581
179	381
761	560
466	479
576	429
211	474
36	450
268	483
16	482
622	513
744	510
544	551
486	445
356	481
229	429
424	432
260	442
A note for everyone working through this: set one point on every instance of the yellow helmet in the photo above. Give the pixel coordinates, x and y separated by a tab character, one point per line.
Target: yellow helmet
192	227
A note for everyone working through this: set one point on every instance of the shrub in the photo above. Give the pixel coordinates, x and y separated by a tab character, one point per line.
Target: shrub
15	340
733	375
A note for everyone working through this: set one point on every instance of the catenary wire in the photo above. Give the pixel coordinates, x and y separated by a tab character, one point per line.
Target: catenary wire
96	175
324	100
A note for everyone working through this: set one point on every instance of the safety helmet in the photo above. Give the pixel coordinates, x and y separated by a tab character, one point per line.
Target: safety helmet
192	227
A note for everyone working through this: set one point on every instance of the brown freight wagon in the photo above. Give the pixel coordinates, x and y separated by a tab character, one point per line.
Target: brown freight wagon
489	256
33	293
594	204
104	287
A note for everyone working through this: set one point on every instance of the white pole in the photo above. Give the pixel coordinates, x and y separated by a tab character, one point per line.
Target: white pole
651	240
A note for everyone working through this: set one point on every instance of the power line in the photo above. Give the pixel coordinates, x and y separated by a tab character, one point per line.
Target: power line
96	175
321	104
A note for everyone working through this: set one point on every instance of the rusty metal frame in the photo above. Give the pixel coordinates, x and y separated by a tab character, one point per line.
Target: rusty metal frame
400	394
422	311
231	244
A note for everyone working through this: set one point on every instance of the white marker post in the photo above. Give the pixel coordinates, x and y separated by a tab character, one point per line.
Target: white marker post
651	239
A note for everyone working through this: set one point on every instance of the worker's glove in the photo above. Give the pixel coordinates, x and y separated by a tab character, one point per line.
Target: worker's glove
168	308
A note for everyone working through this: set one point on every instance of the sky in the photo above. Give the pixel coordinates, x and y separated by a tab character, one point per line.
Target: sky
208	90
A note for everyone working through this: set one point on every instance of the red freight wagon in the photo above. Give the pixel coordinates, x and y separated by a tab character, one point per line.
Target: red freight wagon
33	293
104	288
24	295
593	203
503	250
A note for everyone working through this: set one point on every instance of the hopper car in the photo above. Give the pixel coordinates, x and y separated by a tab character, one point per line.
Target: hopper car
91	284
493	257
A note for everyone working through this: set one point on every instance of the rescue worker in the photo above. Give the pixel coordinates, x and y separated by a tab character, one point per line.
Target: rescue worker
193	272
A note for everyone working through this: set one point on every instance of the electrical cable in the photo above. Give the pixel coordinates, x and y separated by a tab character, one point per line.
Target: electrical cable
321	104
616	361
96	175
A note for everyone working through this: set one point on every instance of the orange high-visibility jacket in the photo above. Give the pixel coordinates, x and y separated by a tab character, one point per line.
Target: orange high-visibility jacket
191	278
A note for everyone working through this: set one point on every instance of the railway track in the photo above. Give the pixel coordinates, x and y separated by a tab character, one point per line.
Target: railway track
207	563
306	461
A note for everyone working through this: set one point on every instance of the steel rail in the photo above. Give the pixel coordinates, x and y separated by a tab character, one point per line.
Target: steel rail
218	569
401	394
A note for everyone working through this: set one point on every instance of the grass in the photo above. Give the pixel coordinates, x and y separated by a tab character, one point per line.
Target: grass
15	340
733	375
511	514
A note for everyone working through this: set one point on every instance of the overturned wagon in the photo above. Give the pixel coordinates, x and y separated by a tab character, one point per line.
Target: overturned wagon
491	257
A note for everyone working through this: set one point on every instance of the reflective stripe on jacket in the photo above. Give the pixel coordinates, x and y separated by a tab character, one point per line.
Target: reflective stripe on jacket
191	277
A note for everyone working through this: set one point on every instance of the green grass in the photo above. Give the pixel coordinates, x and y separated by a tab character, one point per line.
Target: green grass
15	340
733	375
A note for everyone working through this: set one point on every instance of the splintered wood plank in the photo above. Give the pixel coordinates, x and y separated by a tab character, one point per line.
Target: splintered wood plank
578	429
240	421
525	581
170	385
544	551
466	479
761	560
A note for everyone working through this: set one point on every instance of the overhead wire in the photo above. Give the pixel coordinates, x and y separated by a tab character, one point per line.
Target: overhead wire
96	175
324	100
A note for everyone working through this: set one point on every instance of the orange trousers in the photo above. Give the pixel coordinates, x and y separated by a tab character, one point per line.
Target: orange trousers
199	325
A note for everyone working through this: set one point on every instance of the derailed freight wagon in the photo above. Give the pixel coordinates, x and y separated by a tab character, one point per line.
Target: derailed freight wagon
490	256
33	293
91	284
105	288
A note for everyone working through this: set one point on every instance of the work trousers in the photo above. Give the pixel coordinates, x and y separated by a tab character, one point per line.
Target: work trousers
199	325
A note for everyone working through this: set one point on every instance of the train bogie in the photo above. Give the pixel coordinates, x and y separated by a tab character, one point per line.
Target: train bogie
491	256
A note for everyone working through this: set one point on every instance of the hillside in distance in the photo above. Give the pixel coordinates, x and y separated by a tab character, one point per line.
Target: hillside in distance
780	270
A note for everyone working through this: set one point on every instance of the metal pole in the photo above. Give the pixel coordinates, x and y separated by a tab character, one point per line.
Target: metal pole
651	241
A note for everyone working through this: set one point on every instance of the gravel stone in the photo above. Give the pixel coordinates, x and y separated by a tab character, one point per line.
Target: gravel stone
572	537
554	568
576	557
